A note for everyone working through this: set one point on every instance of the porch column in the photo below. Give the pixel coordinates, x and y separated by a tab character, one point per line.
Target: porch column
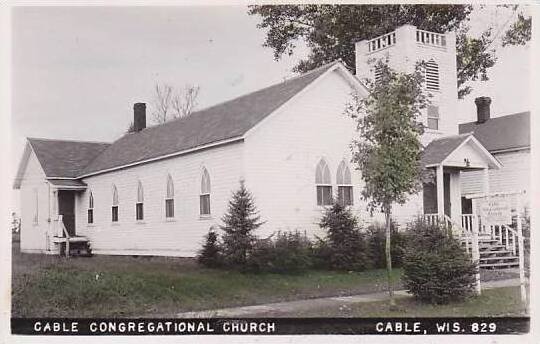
455	197
440	191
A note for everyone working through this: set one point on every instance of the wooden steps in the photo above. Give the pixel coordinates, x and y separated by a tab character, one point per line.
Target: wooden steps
79	246
493	255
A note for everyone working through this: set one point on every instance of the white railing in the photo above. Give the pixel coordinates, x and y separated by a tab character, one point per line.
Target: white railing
62	232
382	42
430	38
431	219
467	222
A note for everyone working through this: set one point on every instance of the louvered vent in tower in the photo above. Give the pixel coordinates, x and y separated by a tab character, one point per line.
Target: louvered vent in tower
432	75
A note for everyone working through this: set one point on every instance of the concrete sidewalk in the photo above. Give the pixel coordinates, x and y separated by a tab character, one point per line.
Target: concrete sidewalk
305	305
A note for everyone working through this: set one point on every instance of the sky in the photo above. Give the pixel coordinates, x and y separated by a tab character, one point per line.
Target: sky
76	71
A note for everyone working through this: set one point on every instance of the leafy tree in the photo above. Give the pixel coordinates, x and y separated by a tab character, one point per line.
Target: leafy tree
377	242
210	254
436	268
330	32
239	223
519	33
388	149
347	247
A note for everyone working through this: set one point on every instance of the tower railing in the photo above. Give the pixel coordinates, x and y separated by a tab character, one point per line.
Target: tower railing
430	38
381	42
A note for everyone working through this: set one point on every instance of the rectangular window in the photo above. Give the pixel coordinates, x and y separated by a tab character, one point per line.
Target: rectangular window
324	195
433	117
205	204
36	214
169	208
114	214
139	215
90	215
345	195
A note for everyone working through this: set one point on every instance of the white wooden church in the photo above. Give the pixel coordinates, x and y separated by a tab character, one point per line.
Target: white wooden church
158	190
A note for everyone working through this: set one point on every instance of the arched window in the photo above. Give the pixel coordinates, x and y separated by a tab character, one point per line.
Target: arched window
91	208
432	75
114	208
139	209
169	198
205	193
344	184
323	183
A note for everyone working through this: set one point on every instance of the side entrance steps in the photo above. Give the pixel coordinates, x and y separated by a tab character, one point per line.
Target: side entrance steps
494	255
79	246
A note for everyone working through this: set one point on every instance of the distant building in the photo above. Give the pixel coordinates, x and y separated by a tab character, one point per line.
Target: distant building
507	138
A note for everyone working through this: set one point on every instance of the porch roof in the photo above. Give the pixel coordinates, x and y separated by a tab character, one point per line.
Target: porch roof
439	152
68	184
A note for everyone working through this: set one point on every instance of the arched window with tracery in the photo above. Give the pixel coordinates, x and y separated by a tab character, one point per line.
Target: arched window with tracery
344	184
323	183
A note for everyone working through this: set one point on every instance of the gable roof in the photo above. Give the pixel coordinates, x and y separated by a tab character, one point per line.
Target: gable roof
502	133
225	122
437	150
59	158
64	158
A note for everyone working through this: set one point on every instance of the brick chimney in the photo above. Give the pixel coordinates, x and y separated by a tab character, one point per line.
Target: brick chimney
482	108
139	116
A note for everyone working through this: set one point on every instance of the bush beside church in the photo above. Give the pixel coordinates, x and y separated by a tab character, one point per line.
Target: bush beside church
436	267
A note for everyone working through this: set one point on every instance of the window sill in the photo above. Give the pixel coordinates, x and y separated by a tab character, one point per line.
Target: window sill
170	219
205	217
140	222
90	225
432	131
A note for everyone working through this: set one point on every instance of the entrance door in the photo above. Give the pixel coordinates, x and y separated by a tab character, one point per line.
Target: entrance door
66	207
447	204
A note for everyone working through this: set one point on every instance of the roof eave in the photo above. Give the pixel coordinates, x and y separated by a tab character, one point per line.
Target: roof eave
166	156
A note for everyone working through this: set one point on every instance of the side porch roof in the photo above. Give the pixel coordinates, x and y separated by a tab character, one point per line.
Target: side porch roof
462	151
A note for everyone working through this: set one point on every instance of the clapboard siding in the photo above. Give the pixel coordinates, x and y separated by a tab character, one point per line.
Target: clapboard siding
283	152
513	176
34	235
156	235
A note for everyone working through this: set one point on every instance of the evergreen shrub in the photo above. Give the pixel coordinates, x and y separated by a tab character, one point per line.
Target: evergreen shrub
210	253
288	252
376	236
347	248
436	268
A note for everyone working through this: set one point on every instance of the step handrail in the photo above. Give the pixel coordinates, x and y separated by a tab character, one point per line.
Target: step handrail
64	233
461	231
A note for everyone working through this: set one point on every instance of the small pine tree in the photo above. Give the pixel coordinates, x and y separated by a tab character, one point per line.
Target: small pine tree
239	223
210	255
436	268
348	248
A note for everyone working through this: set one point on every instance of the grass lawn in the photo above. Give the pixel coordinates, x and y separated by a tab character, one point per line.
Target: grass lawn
123	286
492	302
128	286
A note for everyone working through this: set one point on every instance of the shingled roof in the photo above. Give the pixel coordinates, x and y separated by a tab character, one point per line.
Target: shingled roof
65	159
437	150
502	133
225	121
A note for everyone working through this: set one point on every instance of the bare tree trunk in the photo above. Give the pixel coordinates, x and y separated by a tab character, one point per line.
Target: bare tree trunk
388	250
